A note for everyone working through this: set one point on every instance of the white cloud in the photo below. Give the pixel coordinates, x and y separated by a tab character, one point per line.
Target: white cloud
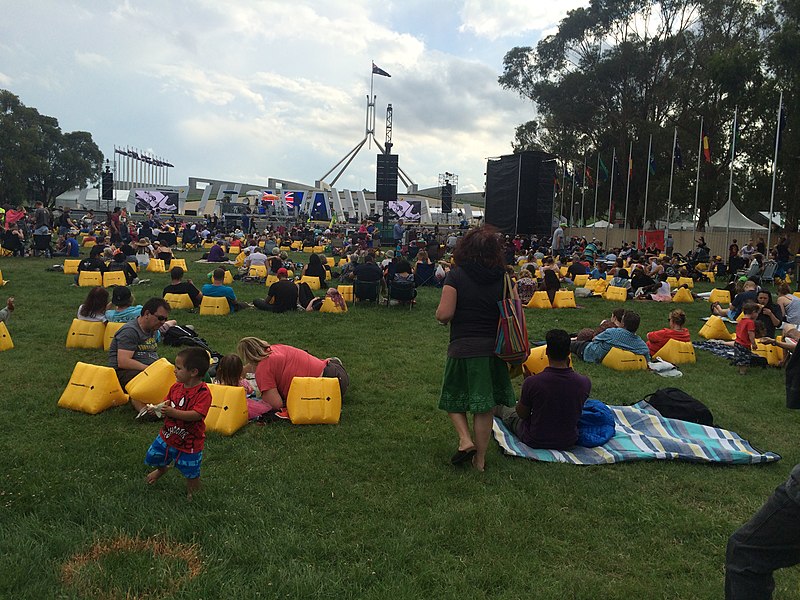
91	60
495	19
252	89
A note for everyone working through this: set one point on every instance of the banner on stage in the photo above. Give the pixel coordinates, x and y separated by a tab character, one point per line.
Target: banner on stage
160	202
408	210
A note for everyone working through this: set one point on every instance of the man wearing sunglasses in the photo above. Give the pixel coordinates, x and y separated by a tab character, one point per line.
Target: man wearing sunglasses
135	345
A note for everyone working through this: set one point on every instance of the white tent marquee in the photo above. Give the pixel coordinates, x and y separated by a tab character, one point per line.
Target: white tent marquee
719	220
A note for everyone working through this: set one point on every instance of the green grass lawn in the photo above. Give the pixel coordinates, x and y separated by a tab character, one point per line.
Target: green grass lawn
369	508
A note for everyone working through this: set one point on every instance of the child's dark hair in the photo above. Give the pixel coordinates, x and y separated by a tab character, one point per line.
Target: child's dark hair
195	359
618	313
750	307
229	370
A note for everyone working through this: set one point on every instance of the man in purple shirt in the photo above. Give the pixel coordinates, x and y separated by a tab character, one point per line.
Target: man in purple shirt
551	402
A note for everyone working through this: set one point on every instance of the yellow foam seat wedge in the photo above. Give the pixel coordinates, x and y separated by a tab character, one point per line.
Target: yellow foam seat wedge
314	400
624	360
92	389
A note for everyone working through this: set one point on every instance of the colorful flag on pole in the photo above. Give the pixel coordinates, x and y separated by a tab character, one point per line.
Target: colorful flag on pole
652	165
678	155
588	174
781	127
603	170
706	147
378	71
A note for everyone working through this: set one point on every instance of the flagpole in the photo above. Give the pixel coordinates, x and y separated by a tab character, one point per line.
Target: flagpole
647	181
671	171
563	185
582	220
627	192
610	195
774	170
596	184
697	183
572	197
730	182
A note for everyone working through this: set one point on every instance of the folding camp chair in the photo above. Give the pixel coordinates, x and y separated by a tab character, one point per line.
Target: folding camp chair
366	290
41	243
768	276
402	291
425	275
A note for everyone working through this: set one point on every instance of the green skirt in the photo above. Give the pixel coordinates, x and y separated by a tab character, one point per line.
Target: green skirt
475	385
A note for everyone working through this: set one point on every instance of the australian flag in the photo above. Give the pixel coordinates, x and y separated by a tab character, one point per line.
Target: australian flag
376	70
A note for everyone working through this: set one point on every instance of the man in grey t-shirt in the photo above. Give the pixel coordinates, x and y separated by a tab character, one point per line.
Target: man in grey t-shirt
135	345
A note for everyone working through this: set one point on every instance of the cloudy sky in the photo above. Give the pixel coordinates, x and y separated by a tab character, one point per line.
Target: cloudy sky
250	89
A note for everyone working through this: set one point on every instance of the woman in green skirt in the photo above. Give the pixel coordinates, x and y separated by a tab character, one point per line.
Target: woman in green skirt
475	380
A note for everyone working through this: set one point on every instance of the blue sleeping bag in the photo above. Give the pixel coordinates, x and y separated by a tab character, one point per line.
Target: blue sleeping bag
596	425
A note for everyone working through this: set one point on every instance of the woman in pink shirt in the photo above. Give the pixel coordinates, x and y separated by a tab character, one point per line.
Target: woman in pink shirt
275	365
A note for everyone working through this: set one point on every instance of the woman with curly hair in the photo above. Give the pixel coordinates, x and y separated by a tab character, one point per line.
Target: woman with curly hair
475	380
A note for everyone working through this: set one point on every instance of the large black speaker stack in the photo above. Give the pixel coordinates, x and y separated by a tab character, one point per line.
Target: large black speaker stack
386	182
447	198
519	193
386	178
108	186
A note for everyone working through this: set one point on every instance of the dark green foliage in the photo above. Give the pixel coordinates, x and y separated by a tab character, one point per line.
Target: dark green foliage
621	71
37	160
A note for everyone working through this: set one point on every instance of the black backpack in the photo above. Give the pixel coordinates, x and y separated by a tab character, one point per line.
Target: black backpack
178	335
674	403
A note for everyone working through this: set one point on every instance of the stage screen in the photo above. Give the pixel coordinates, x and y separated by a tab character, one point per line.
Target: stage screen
161	202
408	210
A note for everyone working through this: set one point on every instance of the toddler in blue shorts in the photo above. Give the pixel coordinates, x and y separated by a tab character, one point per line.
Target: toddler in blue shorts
183	434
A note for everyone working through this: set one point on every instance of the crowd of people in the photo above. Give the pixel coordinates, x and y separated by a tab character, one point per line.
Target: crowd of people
470	267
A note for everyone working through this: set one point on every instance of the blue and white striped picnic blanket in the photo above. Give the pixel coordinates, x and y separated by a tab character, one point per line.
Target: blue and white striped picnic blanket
643	434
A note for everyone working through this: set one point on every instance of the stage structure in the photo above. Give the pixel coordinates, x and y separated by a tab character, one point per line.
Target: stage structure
139	169
369	137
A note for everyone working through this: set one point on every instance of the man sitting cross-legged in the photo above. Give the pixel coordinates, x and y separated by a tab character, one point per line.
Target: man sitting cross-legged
178	286
624	338
218	289
282	295
551	402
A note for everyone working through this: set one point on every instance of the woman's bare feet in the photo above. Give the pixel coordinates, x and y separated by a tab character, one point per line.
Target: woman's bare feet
153	476
479	466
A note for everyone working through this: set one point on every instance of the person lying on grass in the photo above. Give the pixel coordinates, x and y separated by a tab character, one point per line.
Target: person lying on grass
624	338
551	402
182	436
588	333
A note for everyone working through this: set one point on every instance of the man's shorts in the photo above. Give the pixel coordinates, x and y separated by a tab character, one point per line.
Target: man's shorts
160	455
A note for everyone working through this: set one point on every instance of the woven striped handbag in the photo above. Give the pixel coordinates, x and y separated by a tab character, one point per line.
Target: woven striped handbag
512	334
